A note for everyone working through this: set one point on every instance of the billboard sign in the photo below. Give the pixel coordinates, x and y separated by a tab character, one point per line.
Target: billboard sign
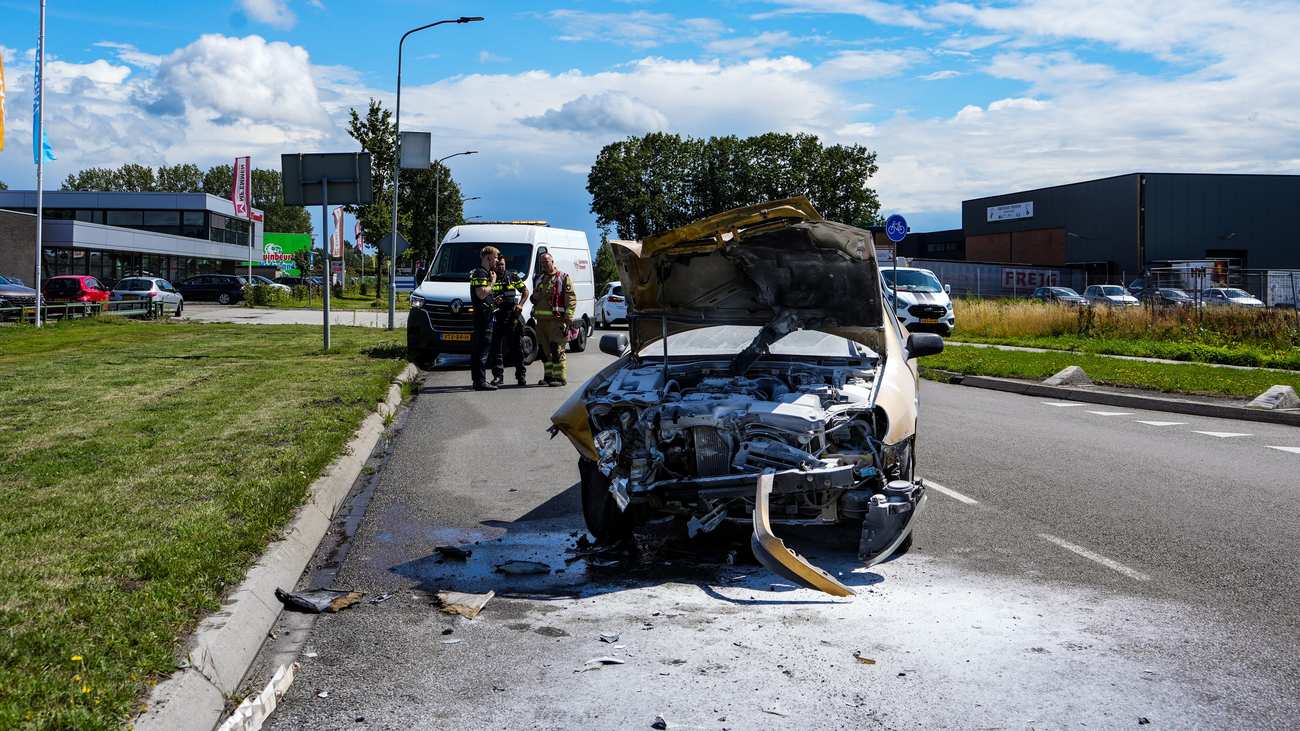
278	250
240	187
1017	279
1010	212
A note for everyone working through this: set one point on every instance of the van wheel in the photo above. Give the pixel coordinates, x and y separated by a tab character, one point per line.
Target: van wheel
528	346
579	344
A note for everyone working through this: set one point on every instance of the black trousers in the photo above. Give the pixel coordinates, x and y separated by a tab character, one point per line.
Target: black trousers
481	348
507	332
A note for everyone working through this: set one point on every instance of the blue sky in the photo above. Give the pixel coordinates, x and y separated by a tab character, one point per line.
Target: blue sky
960	99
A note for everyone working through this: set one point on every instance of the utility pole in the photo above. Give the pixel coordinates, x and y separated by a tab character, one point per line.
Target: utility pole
39	143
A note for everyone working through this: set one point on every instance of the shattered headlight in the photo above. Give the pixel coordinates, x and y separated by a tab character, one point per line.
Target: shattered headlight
898	459
608	446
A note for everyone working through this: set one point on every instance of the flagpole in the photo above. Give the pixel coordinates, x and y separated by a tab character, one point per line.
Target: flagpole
40	157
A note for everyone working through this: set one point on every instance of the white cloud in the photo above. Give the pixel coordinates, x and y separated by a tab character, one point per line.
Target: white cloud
972	43
608	112
275	13
486	56
576	168
857	65
129	54
857	130
750	46
878	12
639	29
1060	70
940	75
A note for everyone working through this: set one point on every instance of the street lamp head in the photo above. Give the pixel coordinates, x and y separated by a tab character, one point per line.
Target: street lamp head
466	19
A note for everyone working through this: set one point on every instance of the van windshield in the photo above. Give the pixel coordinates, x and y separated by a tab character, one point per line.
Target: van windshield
456	260
912	280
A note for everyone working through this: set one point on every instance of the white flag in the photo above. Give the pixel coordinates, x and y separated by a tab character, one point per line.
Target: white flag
240	187
336	239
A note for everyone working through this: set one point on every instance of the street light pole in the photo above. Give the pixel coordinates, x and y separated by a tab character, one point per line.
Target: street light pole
437	197
397	163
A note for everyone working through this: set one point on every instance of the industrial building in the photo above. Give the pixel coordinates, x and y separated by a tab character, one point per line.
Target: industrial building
111	235
1114	228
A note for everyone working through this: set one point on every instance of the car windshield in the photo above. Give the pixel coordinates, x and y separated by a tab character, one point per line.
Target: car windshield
1237	294
912	280
1064	292
1174	294
731	339
1112	290
456	260
616	290
4	280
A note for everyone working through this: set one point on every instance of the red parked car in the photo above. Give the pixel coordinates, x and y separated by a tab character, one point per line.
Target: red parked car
74	288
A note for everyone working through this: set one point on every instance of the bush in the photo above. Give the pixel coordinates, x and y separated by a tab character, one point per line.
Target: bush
263	295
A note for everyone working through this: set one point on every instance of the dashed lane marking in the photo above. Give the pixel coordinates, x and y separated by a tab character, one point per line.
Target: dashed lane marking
1058	403
1112	413
1097	557
950	492
1161	423
1223	434
1292	450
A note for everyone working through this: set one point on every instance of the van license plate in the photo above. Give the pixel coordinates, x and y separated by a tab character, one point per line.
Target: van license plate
929	321
455	336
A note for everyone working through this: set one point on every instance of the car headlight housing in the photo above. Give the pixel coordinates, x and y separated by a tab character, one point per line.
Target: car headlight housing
416	301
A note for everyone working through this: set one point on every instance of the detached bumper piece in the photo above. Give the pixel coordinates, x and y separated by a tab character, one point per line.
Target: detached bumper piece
772	553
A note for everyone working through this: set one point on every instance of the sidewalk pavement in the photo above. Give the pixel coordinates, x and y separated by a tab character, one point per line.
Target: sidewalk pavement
277	316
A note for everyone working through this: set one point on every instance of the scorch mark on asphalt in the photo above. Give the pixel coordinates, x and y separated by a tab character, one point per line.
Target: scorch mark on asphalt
950	492
1097	557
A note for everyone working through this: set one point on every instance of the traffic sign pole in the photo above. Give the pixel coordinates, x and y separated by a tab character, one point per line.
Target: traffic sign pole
325	230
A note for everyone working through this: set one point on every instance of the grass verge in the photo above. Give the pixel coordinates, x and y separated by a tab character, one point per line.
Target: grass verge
1242	355
351	300
145	465
1188	378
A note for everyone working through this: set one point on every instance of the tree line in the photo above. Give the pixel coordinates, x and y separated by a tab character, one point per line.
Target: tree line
268	196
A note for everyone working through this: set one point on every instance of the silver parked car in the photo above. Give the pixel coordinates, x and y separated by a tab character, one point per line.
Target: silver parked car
1225	296
261	281
1111	295
156	289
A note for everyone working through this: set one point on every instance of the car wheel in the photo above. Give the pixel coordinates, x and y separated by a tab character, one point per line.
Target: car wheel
223	298
180	306
601	514
600	319
528	346
579	344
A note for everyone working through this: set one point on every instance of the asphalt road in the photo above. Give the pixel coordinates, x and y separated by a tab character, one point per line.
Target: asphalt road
1081	566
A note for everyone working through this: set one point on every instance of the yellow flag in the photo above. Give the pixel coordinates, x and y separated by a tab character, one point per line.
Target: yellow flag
2	101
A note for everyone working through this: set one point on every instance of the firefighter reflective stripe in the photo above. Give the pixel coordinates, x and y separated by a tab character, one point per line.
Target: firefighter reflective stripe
541	313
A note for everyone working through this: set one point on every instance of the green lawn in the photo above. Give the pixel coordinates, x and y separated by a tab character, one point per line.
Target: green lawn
1192	352
1187	378
144	466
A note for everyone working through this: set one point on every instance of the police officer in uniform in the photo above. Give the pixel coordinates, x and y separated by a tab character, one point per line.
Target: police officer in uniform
554	307
508	329
484	304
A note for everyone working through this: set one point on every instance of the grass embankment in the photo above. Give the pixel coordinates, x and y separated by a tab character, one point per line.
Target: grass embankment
1189	378
350	300
144	466
1260	338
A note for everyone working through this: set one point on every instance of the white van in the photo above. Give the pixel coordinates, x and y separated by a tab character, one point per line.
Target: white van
441	319
920	302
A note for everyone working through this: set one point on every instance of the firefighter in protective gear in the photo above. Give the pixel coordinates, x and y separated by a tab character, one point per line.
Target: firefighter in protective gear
484	302
508	329
555	304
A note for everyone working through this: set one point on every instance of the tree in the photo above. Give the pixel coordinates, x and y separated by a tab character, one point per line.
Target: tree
650	184
90	179
134	178
3	186
377	135
216	181
417	198
268	197
606	268
181	178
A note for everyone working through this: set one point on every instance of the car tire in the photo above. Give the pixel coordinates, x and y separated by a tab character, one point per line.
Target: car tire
528	346
600	319
223	298
180	307
425	360
599	511
579	344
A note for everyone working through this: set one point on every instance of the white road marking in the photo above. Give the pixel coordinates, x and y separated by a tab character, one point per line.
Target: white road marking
1112	413
1055	403
950	492
1097	557
1161	423
1292	450
1222	434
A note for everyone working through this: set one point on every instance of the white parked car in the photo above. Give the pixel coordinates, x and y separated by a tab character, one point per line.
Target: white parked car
1225	296
1111	295
920	302
612	306
261	281
151	288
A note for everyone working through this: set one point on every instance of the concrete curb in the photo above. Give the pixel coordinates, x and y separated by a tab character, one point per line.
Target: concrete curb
1132	401
225	644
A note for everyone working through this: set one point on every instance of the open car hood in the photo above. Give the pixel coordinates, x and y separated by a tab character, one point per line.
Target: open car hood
772	262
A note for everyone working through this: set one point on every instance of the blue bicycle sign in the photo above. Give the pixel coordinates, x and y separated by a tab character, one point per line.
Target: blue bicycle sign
896	228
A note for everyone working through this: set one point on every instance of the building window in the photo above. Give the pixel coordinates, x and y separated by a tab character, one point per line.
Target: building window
130	219
88	216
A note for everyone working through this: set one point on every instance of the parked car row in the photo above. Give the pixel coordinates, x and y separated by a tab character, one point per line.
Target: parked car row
222	288
1113	295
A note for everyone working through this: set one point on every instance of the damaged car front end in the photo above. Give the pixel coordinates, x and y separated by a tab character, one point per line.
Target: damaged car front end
765	381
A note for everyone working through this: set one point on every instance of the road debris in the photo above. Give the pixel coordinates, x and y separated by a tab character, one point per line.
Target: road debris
465	604
523	568
253	712
659	723
318	601
864	660
1143	720
310	655
455	553
597	663
381	599
447	631
775	711
323	694
451	641
610	637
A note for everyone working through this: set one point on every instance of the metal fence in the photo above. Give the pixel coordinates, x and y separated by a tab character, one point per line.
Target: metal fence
979	279
140	308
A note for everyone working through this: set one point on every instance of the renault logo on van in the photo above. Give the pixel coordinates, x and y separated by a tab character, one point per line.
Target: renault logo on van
456	306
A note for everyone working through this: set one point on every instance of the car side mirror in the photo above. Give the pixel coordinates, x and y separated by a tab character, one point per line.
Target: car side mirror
920	345
947	289
615	344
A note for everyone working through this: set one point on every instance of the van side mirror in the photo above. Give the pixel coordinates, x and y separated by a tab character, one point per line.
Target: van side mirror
615	344
920	345
947	289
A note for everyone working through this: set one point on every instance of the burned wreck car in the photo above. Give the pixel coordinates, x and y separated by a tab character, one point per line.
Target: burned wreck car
763	380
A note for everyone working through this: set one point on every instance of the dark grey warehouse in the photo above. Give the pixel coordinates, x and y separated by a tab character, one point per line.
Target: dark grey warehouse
1115	227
